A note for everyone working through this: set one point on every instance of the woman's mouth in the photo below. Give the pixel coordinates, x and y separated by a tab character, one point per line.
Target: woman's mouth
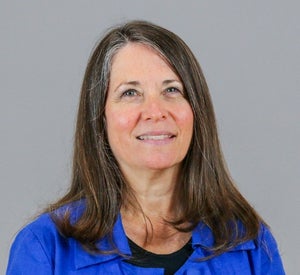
155	137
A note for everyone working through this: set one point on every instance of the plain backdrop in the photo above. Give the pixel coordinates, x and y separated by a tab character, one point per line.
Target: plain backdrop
249	51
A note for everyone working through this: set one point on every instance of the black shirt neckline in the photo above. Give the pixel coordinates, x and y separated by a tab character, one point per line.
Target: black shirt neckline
169	262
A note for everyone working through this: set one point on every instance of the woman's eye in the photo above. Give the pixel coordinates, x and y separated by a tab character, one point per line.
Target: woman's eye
129	93
173	90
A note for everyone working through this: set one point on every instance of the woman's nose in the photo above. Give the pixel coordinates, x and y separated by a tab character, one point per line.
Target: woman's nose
154	109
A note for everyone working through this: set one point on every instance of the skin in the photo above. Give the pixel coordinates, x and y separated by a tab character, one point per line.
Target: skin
149	127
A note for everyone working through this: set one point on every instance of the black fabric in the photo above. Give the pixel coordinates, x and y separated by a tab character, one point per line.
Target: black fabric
170	262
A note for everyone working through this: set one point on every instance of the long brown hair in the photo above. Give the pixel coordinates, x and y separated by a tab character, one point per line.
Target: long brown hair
207	192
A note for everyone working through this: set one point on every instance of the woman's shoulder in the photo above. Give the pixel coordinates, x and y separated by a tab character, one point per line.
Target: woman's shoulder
37	243
264	239
43	231
44	223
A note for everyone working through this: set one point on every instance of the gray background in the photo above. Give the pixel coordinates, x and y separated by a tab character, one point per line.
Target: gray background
249	51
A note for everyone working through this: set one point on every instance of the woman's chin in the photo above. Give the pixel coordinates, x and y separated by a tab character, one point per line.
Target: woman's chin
153	164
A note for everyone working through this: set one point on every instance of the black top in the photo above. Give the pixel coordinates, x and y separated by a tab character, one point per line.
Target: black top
170	262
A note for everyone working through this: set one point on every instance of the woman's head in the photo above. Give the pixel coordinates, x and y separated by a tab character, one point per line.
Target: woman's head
175	52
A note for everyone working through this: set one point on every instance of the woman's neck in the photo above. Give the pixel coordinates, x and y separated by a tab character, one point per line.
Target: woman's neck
149	207
153	192
153	232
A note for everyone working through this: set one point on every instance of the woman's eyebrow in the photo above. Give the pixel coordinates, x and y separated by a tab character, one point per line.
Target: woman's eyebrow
132	83
137	83
169	81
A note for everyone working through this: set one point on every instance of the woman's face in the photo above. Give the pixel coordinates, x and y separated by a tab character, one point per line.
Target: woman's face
149	122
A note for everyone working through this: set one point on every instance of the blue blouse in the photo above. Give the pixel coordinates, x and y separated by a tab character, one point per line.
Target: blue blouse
40	249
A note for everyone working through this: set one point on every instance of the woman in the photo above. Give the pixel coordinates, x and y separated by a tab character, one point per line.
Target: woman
150	192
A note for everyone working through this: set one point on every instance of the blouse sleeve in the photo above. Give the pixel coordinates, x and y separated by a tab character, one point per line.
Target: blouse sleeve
27	256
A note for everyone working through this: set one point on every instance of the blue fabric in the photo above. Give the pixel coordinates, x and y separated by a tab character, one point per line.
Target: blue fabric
40	249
